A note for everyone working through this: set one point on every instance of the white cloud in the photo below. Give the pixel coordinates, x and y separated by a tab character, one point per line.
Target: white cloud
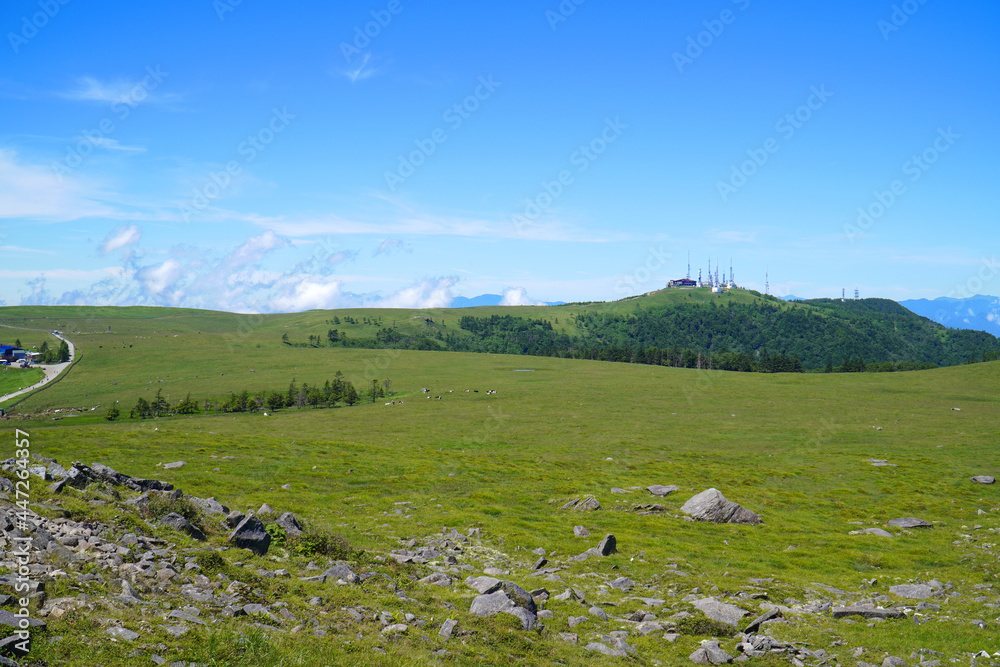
255	248
340	257
157	279
60	274
110	144
36	193
90	89
363	71
411	223
517	296
388	246
253	279
121	91
432	293
120	238
312	293
15	248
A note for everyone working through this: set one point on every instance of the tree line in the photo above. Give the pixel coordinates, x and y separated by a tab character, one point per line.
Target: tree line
331	394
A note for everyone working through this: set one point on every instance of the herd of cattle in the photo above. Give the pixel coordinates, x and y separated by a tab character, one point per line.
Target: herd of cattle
425	390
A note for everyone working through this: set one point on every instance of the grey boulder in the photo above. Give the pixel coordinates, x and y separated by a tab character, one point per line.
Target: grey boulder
583	504
491	604
910	522
483	585
720	611
866	611
180	524
912	591
710	654
250	534
209	505
983	479
711	505
660	490
289	524
608	545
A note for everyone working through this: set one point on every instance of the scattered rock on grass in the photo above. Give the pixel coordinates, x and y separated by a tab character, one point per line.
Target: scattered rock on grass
912	591
250	534
583	504
910	522
608	545
872	531
720	611
711	505
867	611
179	523
710	654
289	524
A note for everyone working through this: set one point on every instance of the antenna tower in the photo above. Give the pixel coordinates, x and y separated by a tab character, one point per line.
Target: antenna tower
689	265
767	282
857	294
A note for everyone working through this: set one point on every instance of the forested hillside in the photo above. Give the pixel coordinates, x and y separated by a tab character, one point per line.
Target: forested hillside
825	332
746	334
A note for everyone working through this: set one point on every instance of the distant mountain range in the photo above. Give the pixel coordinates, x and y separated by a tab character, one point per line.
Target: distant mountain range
980	312
487	300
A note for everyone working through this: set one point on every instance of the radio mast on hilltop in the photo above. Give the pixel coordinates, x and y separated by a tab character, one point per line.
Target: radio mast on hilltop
857	294
767	282
689	265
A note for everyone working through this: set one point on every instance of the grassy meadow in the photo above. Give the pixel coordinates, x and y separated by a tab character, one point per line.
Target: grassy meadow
12	379
793	448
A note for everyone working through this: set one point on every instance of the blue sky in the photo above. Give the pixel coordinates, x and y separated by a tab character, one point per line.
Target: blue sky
252	157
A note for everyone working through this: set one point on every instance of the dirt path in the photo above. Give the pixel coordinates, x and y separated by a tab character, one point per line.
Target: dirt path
51	370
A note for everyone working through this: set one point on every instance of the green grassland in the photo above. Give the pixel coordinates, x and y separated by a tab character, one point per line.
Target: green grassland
13	379
790	447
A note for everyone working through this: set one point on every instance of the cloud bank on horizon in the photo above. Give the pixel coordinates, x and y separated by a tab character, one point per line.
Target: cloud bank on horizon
267	159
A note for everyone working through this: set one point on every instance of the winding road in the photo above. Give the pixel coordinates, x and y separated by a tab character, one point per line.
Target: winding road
51	371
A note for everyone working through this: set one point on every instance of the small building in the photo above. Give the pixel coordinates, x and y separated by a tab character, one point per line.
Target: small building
11	353
682	282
